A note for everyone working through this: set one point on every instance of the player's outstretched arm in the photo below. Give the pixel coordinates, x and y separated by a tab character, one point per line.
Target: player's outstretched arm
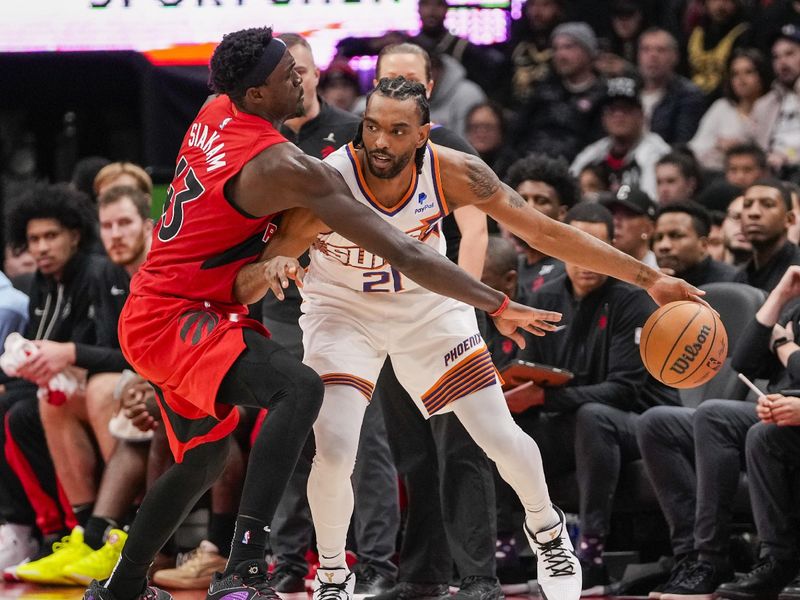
467	179
283	177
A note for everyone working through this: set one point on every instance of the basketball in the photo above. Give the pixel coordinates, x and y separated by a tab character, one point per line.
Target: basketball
683	344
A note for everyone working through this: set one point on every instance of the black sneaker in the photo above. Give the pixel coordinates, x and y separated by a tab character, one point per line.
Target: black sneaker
249	581
478	588
699	582
96	591
405	590
289	585
791	591
595	580
764	582
370	581
675	574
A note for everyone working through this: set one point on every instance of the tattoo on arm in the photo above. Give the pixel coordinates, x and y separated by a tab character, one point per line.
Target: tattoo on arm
641	276
515	200
482	181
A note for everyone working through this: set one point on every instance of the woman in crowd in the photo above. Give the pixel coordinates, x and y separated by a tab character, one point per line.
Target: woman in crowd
728	122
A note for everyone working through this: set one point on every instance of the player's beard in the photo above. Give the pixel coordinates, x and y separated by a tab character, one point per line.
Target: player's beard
392	169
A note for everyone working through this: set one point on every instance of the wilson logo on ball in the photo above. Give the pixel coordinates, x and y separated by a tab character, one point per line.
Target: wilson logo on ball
690	352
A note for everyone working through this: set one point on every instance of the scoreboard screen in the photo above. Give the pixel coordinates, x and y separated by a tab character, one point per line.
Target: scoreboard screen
173	32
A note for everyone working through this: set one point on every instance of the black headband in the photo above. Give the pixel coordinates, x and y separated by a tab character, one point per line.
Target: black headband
273	52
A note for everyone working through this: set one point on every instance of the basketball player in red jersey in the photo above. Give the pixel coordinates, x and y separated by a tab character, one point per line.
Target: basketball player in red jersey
183	330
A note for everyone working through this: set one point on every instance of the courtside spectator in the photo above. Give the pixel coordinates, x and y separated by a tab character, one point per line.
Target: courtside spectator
634	221
745	164
486	130
766	218
677	178
529	46
563	113
712	41
628	154
728	122
672	104
777	124
680	242
546	184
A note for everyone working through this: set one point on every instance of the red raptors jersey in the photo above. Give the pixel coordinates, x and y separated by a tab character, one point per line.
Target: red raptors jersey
202	239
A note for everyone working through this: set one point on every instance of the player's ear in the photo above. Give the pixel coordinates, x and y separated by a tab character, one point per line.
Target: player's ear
424	133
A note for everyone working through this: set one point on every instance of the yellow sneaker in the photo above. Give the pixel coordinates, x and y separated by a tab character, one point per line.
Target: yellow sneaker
49	570
195	572
99	564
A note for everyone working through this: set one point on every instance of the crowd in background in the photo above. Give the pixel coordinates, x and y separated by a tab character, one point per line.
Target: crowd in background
673	134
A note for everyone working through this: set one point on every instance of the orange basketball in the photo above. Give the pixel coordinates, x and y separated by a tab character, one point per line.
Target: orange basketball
683	344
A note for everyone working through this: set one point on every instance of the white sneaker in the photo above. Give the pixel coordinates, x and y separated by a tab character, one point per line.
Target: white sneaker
558	570
16	545
334	584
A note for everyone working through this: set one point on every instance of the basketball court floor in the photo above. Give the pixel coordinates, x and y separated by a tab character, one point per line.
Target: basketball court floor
15	591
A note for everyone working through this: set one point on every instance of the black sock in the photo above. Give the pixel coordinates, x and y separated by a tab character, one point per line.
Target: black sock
220	530
83	512
94	532
129	578
249	542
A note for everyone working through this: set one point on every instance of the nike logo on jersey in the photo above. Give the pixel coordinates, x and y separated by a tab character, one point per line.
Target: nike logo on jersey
115	291
330	138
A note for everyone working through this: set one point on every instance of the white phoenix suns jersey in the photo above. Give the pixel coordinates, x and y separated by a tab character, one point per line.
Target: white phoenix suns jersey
338	261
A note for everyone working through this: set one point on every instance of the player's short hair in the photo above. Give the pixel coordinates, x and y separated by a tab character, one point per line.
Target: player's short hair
140	200
552	171
60	202
405	48
235	58
501	256
400	88
748	149
591	212
115	169
701	219
775	184
295	39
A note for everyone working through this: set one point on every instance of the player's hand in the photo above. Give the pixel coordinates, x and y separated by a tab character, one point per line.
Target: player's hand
138	402
668	289
279	270
518	316
52	358
786	411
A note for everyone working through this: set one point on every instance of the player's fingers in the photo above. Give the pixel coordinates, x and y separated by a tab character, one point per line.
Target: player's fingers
517	337
299	275
548	315
275	286
544	325
531	328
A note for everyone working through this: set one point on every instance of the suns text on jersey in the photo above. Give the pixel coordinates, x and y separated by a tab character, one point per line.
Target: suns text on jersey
199	138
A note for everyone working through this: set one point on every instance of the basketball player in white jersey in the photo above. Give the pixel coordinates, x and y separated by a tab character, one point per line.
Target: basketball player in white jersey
358	309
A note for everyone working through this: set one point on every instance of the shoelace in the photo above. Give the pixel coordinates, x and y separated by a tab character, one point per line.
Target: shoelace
330	591
679	570
766	564
262	583
557	558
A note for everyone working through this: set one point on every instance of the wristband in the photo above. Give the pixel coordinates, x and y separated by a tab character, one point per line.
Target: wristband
502	309
779	342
